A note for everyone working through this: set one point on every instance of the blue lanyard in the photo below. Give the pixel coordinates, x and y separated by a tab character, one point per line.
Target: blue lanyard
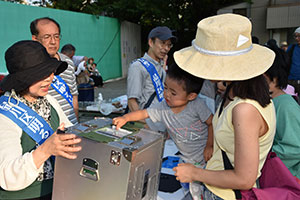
156	81
26	118
62	88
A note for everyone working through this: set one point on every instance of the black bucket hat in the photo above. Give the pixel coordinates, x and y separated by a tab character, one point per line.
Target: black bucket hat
28	62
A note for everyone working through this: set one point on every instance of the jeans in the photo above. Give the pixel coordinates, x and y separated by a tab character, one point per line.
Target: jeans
206	194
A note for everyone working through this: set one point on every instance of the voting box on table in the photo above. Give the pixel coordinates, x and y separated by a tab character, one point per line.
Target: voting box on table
113	164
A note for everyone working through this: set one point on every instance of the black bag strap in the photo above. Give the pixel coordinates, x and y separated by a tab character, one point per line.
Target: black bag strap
151	98
228	166
146	105
126	110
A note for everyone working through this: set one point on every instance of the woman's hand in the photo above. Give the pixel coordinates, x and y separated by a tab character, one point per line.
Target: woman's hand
184	172
62	145
57	145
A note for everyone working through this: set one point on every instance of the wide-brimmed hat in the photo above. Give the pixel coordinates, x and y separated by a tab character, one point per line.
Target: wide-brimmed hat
223	50
28	62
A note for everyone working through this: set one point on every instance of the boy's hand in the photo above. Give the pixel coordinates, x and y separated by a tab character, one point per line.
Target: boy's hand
119	121
208	151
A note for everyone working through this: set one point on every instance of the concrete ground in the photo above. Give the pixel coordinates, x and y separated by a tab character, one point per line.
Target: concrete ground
111	89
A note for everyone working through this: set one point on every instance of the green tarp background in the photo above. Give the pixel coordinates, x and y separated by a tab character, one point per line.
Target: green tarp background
97	37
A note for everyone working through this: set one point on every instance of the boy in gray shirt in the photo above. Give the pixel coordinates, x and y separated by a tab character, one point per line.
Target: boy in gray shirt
186	117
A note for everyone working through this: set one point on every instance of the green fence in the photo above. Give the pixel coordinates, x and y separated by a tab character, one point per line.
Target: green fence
97	37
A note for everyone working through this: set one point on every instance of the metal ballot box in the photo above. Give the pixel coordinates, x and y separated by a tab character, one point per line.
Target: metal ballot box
112	165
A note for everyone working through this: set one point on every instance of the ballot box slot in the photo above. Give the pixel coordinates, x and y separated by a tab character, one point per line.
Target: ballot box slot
107	134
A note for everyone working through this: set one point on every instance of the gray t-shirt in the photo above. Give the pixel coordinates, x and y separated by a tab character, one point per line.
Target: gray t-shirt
187	129
208	89
208	93
139	83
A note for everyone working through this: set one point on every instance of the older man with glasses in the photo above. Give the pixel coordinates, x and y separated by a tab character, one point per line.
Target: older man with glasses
294	52
63	88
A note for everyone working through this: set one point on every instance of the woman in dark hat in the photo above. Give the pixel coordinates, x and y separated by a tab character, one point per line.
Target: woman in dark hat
29	118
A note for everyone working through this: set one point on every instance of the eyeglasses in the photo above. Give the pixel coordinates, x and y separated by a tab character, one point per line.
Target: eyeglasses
164	44
296	36
48	37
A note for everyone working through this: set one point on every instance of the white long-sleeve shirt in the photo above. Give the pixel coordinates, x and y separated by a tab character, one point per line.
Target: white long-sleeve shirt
80	68
18	171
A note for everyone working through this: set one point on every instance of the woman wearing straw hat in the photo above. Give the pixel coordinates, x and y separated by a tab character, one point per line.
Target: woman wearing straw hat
244	125
28	117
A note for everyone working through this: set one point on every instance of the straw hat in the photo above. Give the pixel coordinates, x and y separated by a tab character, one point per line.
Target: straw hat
284	43
223	50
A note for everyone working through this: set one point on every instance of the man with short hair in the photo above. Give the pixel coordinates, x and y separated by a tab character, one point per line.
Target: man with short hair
64	89
294	52
68	50
146	75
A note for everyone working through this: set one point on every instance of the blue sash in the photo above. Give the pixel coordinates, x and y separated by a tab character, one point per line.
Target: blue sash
62	88
26	118
159	88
